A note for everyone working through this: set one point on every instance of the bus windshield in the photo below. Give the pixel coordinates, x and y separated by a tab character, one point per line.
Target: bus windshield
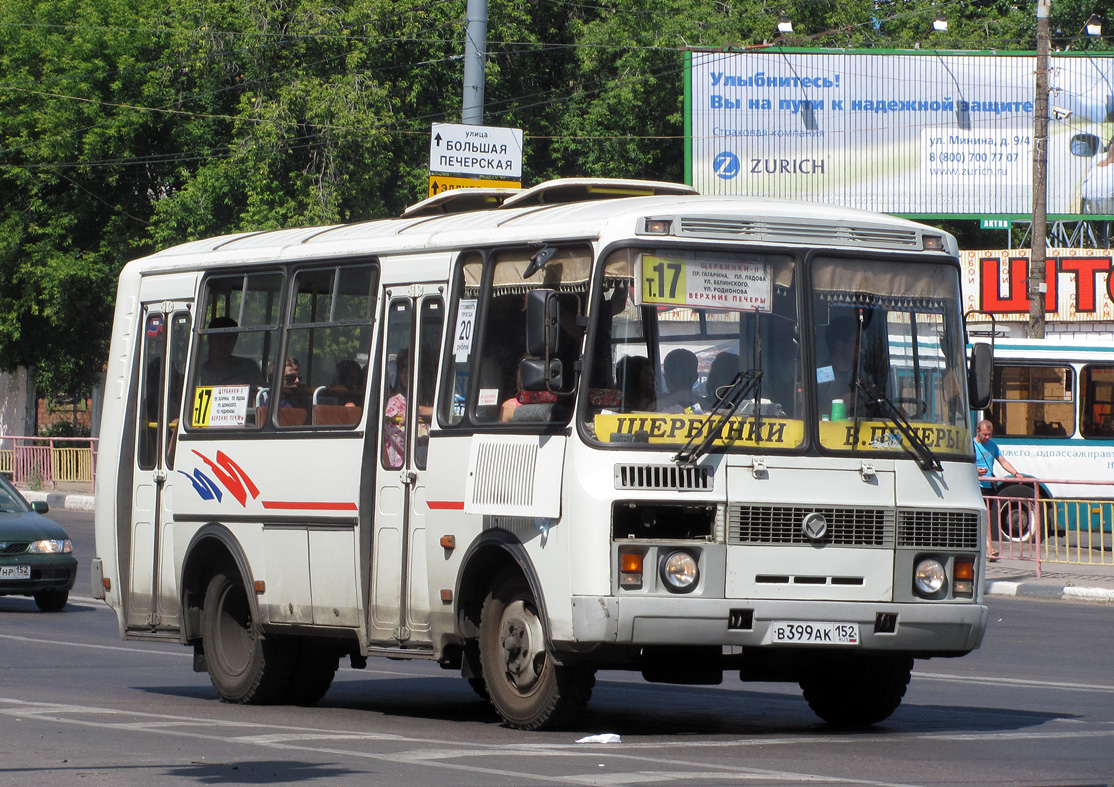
879	371
675	330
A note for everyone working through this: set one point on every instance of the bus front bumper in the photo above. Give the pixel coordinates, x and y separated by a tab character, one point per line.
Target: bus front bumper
922	628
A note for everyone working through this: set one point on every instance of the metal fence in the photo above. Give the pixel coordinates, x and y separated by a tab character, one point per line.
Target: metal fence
46	462
1048	529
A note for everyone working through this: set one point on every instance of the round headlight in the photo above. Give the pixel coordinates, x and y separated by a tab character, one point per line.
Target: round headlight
930	577
679	571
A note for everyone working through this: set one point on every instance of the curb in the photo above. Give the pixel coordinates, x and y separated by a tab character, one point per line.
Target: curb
64	500
1035	590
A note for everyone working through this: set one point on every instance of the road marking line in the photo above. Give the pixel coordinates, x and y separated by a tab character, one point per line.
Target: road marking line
432	754
994	680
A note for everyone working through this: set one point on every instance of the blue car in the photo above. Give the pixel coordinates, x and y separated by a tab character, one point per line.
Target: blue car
36	555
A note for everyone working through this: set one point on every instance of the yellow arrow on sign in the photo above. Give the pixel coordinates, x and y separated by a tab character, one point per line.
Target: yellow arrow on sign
442	183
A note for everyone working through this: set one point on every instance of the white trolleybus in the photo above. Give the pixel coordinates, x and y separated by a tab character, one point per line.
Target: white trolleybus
530	435
1052	406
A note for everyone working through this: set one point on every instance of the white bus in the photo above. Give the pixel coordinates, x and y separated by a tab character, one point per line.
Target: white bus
1052	406
589	425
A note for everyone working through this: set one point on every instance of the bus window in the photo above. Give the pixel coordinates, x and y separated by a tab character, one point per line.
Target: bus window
1097	417
396	384
430	325
328	345
883	346
496	350
1032	401
237	340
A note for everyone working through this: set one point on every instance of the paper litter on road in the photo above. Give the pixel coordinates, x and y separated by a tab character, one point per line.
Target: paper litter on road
606	737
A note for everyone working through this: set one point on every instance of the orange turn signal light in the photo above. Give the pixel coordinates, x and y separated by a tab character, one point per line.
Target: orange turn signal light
630	562
965	570
630	570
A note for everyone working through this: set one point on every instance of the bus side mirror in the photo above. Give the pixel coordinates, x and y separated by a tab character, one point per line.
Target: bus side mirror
537	375
978	375
542	321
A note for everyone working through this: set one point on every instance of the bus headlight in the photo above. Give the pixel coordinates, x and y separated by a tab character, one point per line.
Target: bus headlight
679	572
929	577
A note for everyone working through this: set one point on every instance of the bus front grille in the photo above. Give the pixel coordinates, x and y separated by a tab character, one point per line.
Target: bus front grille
858	527
666	477
941	529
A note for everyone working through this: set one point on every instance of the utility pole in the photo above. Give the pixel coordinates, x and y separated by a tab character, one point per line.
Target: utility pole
1038	254
475	50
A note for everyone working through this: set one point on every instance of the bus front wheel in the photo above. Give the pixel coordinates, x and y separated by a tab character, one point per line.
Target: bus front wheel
528	689
245	667
857	692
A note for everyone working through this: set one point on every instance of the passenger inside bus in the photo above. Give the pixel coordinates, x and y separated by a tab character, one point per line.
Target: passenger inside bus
221	366
724	369
680	372
394	415
635	375
836	380
347	385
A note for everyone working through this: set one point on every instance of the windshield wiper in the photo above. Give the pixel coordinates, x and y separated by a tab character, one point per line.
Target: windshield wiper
743	387
917	446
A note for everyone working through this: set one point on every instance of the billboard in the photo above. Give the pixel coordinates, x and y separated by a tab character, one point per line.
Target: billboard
919	132
1079	285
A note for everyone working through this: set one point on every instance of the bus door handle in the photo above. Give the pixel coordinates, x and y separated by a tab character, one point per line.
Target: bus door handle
407	477
160	476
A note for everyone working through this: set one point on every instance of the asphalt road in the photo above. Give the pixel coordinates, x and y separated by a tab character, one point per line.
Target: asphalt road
1034	706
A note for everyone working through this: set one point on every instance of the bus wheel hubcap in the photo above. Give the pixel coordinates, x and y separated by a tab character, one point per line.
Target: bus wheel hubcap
523	645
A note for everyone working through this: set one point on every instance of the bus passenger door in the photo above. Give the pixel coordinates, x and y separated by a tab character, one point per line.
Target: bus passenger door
152	593
399	605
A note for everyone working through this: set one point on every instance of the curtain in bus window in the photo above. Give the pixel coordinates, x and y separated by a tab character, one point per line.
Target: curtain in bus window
568	269
887	285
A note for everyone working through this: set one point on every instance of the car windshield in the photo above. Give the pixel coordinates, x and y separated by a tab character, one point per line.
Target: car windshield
10	500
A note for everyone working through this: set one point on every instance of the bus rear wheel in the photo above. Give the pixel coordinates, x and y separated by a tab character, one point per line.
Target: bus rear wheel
527	687
244	666
857	692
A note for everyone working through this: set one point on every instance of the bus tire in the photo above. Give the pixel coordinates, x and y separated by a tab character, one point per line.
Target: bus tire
528	689
858	692
245	667
313	672
1015	520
